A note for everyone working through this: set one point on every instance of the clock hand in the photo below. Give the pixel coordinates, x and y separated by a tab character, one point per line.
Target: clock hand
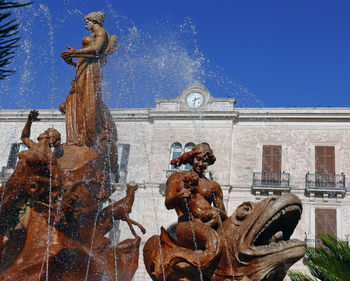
195	101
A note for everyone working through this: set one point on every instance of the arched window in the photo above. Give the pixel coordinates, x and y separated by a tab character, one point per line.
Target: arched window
188	147
175	152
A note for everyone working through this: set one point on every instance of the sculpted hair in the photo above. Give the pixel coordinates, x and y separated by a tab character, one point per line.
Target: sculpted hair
96	17
56	135
187	157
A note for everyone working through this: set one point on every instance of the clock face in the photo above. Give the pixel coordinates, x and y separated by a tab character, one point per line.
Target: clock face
195	100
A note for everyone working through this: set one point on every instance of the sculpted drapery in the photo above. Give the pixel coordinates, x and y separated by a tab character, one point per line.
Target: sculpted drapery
87	121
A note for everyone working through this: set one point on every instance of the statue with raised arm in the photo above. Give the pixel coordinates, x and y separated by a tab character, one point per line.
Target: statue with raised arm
36	172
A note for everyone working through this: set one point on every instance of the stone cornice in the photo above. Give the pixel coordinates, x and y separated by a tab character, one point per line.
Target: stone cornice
46	115
294	114
239	115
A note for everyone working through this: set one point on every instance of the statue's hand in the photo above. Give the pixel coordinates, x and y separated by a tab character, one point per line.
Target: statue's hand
214	217
33	116
62	107
184	193
67	55
175	162
190	180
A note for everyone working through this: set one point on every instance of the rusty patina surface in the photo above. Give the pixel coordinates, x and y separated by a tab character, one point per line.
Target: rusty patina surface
53	218
252	244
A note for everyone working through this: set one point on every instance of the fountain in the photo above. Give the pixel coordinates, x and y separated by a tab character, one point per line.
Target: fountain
252	244
63	201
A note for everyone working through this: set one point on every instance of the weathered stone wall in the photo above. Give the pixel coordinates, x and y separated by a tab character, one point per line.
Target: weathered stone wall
237	141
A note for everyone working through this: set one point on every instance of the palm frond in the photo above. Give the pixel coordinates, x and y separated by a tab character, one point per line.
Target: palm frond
8	39
297	276
329	263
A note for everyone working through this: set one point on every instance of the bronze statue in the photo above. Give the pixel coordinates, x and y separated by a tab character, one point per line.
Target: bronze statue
84	108
35	171
53	214
91	134
120	210
199	193
252	244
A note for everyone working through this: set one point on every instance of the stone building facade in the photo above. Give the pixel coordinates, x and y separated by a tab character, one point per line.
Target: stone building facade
260	152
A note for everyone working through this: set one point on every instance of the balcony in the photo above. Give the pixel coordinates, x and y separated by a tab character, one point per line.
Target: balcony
270	183
310	242
326	185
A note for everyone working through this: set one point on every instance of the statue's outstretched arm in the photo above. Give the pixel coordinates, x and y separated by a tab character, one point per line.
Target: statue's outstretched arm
100	40
25	137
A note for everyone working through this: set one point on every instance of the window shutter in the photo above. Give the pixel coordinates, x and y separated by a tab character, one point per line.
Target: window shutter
325	165
325	221
271	164
272	156
325	160
276	159
123	159
12	160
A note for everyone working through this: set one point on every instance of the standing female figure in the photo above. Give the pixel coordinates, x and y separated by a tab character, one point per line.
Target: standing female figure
88	121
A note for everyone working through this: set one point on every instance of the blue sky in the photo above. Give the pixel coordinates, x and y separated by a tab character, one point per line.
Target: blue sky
272	53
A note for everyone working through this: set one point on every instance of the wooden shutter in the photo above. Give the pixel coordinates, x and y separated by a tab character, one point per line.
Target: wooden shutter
123	159
271	163
325	160
325	221
325	165
12	160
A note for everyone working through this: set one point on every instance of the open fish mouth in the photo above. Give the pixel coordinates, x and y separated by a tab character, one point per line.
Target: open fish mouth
277	231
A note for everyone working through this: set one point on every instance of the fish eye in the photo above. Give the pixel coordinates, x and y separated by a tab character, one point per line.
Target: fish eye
243	211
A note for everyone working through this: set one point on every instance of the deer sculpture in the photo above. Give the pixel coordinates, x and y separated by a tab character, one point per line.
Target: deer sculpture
120	210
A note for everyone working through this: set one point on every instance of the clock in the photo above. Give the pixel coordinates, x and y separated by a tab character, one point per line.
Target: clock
195	99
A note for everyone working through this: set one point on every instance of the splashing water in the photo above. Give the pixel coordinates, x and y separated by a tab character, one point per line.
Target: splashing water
91	247
194	239
157	60
148	164
225	241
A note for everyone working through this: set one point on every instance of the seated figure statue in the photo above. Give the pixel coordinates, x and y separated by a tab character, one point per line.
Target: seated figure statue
250	245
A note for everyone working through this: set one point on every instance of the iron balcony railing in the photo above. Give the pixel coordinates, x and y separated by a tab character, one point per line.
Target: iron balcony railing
310	242
322	181
317	242
277	180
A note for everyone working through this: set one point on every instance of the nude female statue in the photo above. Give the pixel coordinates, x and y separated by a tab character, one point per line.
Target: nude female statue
191	194
87	119
194	189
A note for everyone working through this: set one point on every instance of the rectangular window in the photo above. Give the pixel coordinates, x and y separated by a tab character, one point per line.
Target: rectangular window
271	164
123	159
325	165
12	160
325	221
